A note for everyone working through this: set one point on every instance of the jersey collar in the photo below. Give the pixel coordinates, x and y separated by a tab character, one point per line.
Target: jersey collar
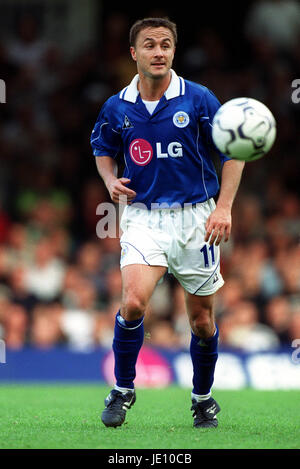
176	88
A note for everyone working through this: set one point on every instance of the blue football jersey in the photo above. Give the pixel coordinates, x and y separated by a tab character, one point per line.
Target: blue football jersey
167	153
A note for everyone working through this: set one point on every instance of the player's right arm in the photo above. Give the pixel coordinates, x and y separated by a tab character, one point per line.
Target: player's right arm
119	193
107	143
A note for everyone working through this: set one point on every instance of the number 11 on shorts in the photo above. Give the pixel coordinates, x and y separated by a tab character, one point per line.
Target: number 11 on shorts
205	253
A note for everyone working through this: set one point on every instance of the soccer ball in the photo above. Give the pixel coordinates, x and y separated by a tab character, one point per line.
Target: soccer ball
244	129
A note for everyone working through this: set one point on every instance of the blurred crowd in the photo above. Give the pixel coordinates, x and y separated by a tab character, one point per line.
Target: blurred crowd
59	283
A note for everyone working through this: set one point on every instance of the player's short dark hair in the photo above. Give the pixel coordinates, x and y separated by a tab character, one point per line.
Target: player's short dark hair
139	25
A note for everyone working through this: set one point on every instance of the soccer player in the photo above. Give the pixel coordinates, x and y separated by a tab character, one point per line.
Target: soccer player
161	123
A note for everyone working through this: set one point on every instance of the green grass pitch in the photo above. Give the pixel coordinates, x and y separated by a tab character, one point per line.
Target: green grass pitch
68	417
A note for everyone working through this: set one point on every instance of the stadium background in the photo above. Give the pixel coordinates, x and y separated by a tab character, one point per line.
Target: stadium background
59	283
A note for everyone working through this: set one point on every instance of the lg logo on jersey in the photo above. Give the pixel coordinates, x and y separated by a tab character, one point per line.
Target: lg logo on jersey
174	150
141	151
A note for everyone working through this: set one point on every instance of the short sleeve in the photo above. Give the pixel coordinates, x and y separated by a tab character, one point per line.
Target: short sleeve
105	139
209	106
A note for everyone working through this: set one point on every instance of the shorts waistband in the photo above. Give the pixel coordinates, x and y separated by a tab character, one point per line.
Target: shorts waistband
157	207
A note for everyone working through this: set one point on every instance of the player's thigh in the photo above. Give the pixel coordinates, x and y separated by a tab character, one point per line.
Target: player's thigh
138	284
200	310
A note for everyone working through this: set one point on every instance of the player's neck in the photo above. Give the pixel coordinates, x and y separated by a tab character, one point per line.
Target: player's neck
153	89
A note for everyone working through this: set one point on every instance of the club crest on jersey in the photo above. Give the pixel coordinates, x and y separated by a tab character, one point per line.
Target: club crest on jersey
126	124
181	119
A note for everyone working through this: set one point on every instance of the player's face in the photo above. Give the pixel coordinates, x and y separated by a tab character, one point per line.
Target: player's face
154	52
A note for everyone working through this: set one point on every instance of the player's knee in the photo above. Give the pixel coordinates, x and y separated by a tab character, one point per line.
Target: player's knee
133	308
203	325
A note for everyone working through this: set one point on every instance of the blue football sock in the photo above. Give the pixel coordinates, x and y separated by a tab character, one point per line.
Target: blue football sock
128	340
204	354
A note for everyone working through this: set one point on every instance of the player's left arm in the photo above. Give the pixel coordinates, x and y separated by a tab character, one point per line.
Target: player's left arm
218	224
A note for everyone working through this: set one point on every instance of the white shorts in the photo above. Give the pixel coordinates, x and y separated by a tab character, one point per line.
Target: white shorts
173	238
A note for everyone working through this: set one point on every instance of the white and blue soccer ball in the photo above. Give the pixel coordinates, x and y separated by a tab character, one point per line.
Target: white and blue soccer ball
244	129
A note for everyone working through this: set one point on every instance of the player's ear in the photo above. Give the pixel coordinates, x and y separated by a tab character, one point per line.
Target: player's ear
133	53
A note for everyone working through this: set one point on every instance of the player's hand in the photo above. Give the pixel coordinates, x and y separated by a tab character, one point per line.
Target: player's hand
218	226
119	193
